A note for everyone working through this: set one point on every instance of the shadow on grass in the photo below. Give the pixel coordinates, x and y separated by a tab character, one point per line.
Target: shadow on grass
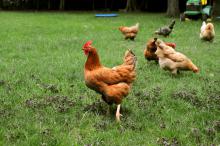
101	108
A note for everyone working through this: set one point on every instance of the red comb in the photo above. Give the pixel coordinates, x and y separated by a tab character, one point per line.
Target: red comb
173	45
88	43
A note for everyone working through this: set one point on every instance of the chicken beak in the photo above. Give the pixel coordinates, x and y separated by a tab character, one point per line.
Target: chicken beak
85	50
196	70
156	52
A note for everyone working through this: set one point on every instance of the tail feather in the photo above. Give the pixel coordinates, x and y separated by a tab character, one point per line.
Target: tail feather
134	28
172	24
130	58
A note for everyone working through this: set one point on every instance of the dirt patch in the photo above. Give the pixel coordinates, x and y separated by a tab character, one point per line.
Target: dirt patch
45	86
212	91
148	97
59	103
101	125
47	137
6	112
147	94
130	124
49	87
14	136
188	96
216	125
168	141
195	132
98	107
211	100
211	133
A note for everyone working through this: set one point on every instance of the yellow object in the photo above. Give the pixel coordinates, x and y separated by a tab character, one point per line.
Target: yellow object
204	2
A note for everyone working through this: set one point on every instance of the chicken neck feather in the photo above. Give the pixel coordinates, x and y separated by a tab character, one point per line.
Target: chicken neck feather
93	61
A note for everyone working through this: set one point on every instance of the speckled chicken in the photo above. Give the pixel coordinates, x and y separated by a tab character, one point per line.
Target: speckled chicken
166	30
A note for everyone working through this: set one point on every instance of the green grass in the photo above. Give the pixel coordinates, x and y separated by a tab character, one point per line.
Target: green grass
44	101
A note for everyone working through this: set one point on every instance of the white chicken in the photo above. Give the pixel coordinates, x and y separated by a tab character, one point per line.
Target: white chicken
207	31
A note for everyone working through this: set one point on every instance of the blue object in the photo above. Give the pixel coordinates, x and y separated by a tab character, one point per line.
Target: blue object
106	15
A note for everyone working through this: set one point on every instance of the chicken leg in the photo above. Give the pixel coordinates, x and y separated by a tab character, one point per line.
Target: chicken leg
174	71
118	113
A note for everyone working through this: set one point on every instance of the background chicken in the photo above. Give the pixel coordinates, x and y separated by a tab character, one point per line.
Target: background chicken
112	83
165	30
171	60
207	31
149	51
129	32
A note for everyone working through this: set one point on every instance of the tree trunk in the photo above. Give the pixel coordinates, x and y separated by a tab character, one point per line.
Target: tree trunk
62	4
38	4
22	5
173	8
216	8
1	4
131	5
143	5
49	4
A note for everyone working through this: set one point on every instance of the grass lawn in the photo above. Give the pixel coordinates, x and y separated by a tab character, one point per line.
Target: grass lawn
44	100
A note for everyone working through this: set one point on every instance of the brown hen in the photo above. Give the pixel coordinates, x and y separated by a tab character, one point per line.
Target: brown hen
112	83
149	51
130	32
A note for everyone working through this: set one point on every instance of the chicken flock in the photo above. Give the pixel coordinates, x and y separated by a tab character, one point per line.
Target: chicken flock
113	84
